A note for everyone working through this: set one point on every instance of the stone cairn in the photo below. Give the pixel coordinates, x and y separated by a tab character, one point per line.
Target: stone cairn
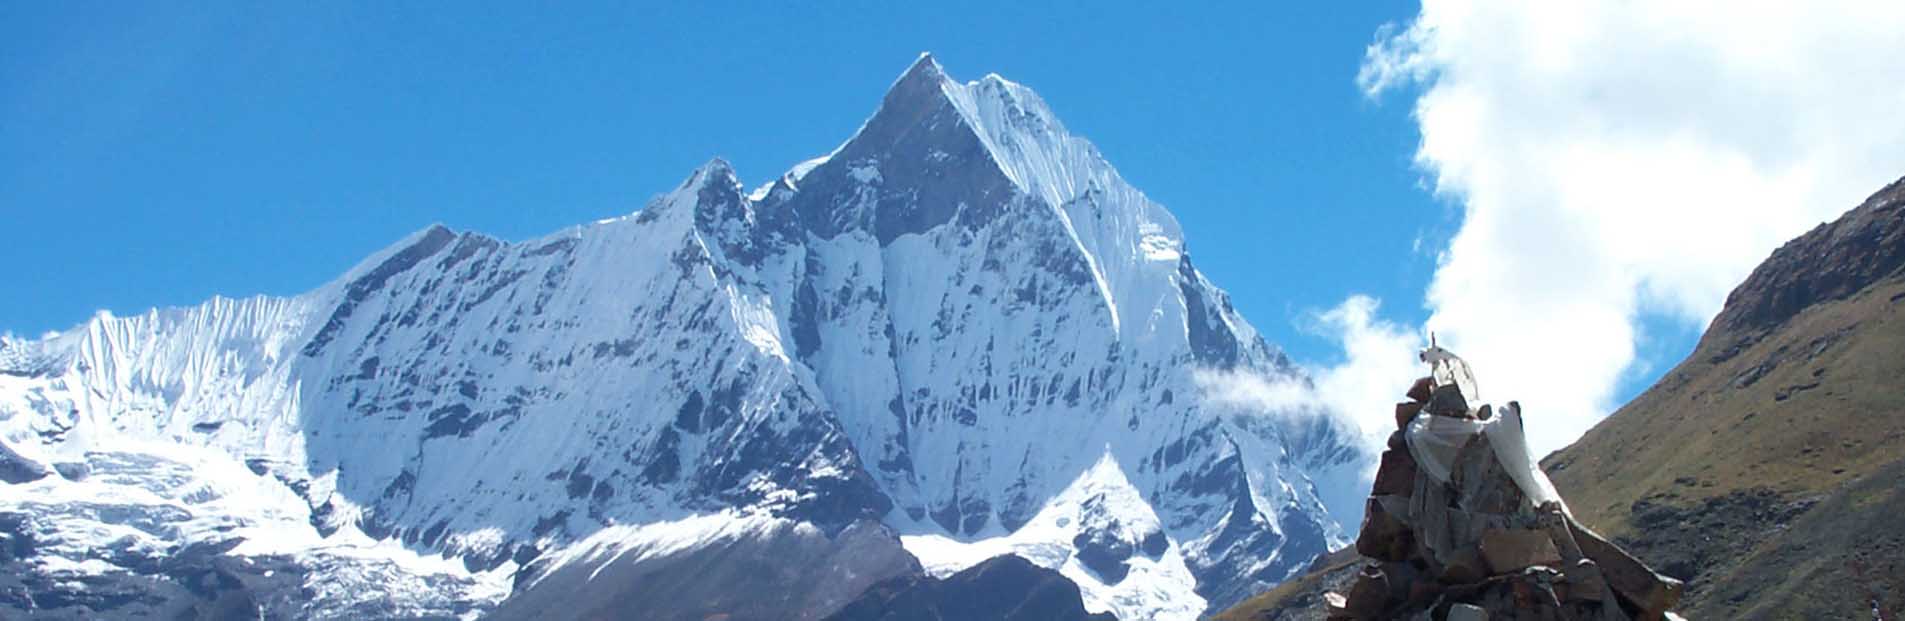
1461	526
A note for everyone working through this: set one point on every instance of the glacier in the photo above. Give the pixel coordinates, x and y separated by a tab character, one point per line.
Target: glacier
961	328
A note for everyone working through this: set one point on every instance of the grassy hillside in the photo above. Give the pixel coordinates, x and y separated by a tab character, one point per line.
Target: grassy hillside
1300	599
1767	468
1802	413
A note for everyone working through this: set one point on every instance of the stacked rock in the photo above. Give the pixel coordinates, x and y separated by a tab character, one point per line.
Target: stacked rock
1460	525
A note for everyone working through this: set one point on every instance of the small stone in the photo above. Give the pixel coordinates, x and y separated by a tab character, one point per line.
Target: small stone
1447	400
1464	566
1424	591
73	470
1419	391
1395	474
1337	605
1533	596
1369	596
1405	412
1467	612
1513	550
1584	581
1403	578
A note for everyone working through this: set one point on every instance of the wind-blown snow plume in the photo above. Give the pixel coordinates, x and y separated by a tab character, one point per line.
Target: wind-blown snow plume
1377	354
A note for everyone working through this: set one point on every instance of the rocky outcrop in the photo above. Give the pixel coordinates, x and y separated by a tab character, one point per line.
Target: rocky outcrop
1460	525
1831	262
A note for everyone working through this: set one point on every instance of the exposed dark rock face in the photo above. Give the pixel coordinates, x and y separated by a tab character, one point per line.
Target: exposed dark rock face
1005	588
925	162
1831	262
1211	340
432	241
1842	558
1849	540
787	572
1712	536
16	468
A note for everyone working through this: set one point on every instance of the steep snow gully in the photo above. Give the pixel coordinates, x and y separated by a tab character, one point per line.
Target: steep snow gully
961	327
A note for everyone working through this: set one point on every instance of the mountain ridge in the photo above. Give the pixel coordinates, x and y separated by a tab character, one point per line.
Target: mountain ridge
961	324
1786	419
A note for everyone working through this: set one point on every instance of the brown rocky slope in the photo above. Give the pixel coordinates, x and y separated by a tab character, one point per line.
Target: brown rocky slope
1768	468
1785	427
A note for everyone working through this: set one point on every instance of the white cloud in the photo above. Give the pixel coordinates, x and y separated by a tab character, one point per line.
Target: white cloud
1379	365
1253	392
1619	160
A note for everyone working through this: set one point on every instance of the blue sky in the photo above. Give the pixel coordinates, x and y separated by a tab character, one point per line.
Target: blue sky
160	154
155	155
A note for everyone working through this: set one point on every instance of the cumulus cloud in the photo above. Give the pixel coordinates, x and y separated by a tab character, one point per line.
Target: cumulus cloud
1616	161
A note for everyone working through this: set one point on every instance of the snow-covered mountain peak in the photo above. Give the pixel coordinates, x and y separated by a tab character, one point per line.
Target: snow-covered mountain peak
716	174
926	68
962	323
1020	134
432	236
711	191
